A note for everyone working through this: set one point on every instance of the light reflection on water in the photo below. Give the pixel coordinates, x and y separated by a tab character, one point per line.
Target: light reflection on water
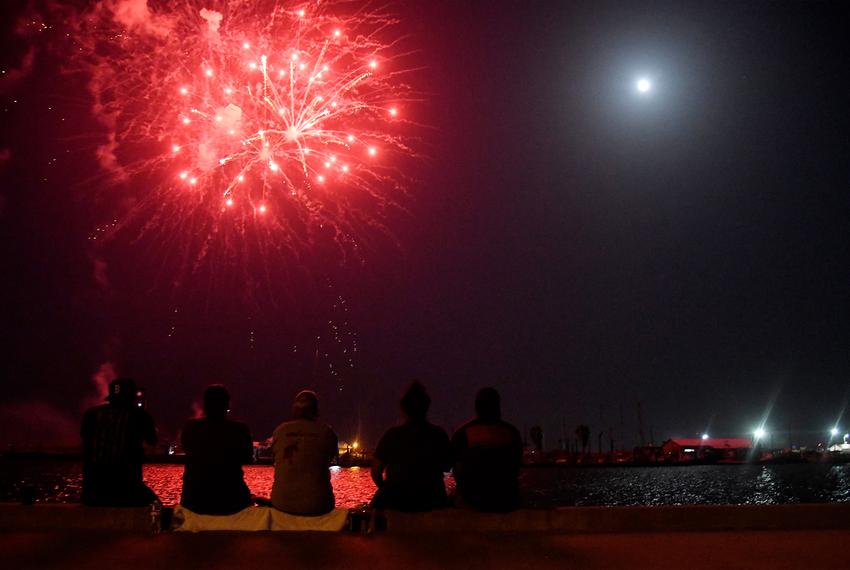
687	485
59	481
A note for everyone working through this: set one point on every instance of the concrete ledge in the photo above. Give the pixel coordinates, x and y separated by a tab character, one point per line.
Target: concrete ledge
572	520
73	516
629	519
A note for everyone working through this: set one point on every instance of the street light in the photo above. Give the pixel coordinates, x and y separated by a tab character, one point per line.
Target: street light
704	436
759	433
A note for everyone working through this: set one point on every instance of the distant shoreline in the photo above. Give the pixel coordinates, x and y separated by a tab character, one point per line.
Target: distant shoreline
180	459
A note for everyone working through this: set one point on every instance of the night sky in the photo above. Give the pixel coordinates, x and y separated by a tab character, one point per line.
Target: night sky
575	244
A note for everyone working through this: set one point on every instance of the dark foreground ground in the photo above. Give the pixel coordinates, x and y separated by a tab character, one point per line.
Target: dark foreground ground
750	549
806	536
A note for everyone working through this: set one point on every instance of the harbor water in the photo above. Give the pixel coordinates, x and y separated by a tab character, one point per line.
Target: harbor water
59	481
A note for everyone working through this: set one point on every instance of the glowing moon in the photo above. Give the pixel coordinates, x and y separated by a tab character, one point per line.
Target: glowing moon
643	85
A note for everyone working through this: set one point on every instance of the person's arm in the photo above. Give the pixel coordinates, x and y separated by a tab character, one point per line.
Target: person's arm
186	438
274	445
378	467
379	462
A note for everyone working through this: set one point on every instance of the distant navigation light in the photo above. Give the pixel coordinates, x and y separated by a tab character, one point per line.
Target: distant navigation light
704	436
644	85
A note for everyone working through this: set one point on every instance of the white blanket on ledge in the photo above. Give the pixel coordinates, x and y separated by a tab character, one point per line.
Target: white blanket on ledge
257	518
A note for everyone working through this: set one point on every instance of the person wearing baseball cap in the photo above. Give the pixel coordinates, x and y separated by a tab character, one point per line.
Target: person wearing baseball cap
114	435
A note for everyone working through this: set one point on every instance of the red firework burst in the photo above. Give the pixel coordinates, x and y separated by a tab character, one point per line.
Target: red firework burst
255	112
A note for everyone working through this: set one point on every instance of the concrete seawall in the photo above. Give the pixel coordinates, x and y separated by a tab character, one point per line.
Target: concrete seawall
73	517
770	537
571	520
695	518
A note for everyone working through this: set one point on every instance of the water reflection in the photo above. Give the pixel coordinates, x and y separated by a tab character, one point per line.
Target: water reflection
687	485
766	488
59	481
352	487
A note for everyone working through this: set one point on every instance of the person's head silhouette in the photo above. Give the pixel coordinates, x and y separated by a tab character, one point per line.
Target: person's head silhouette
488	405
415	402
216	401
306	405
122	392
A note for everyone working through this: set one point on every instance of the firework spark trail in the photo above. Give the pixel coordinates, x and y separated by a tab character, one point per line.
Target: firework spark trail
243	112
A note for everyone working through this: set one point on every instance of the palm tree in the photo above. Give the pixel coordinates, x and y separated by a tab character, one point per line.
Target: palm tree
583	435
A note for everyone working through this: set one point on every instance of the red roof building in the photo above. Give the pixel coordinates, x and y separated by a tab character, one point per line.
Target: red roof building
712	449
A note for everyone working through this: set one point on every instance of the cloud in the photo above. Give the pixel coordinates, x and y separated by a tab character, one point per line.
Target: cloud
213	19
33	423
14	75
100	271
137	15
105	374
197	409
106	158
231	116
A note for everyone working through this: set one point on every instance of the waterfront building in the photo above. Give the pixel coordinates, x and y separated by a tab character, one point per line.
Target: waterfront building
708	450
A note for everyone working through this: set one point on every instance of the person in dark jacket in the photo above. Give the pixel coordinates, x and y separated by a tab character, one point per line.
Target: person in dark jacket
216	449
411	458
114	435
488	456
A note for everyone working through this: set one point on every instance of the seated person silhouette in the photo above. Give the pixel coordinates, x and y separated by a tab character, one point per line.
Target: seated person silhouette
114	435
488	456
216	449
303	448
411	458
